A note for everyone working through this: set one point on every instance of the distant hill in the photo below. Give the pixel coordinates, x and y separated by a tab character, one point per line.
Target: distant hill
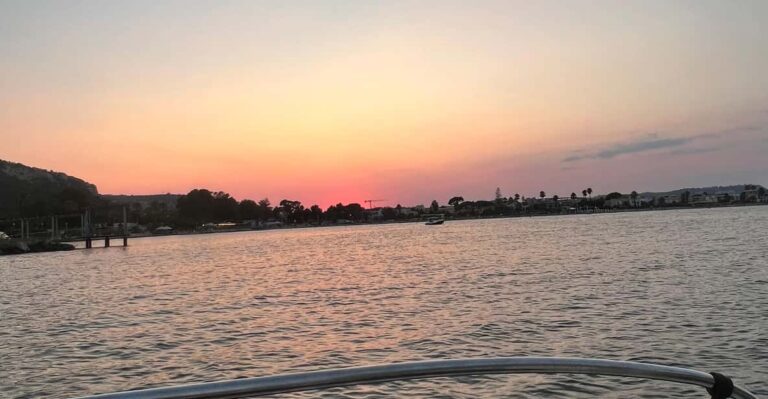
169	200
30	191
734	189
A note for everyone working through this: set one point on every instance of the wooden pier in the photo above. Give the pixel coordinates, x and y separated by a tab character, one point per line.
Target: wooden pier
48	229
107	240
89	236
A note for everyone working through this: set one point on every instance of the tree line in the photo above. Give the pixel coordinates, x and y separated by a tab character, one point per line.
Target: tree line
201	206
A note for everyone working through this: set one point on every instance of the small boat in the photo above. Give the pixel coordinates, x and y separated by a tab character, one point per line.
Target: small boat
718	385
434	221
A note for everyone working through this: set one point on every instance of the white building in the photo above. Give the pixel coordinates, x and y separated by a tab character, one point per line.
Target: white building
409	212
672	199
702	199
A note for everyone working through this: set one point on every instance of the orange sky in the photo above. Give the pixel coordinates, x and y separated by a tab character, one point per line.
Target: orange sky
343	101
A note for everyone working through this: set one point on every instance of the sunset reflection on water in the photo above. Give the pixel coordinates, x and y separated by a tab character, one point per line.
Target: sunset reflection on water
201	308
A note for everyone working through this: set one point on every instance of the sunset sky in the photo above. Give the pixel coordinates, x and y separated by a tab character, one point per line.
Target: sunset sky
407	101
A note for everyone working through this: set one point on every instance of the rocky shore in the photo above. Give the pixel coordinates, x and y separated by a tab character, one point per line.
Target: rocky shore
15	247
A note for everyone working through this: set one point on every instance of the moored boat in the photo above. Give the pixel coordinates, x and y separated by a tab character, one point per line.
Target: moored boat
435	220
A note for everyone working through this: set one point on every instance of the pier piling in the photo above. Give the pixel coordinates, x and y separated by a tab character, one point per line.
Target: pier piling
125	226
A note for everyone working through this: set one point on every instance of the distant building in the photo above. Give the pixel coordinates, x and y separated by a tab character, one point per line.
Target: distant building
751	194
702	199
569	202
670	199
617	202
726	197
626	201
374	214
226	226
410	212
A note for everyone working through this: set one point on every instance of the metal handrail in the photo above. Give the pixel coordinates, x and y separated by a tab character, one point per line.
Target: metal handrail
259	386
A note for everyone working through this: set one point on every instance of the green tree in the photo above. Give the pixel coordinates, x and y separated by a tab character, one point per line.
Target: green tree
455	201
135	212
291	211
157	214
248	210
264	209
74	199
225	208
333	213
355	211
196	207
315	213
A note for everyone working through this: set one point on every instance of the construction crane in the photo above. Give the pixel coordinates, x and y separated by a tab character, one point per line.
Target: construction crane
371	201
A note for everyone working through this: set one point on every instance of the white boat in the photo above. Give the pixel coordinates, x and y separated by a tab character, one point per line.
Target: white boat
718	385
434	221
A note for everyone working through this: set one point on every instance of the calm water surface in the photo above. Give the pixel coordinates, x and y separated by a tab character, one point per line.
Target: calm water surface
687	288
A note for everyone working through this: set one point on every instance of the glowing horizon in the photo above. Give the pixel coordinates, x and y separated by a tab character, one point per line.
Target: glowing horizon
345	101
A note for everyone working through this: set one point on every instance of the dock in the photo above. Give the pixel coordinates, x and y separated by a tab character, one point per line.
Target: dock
47	229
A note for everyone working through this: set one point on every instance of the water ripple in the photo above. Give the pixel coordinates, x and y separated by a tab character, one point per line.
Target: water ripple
683	288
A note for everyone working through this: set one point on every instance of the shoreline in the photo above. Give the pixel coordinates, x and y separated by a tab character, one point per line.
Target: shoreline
21	247
412	220
58	246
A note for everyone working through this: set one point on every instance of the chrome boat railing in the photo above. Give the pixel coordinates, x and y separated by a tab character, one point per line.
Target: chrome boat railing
259	386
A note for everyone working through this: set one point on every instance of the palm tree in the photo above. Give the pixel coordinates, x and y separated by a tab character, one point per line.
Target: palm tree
633	195
542	194
584	193
517	197
589	191
573	196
